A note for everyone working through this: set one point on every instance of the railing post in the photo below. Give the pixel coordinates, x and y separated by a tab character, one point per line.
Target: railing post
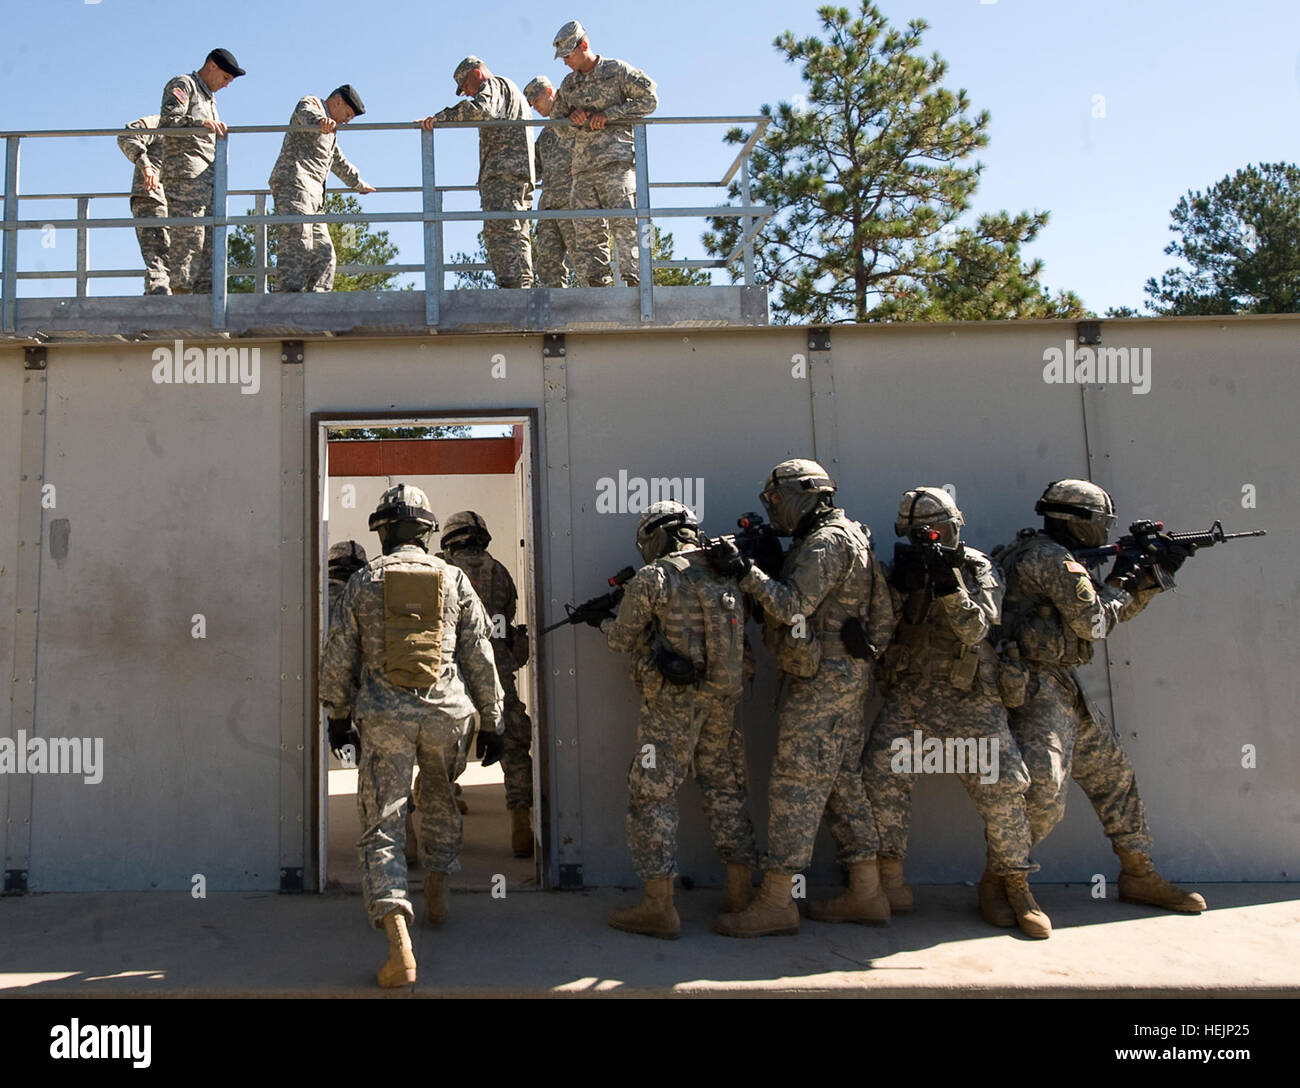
9	279
644	231
746	222
432	205
83	244
259	246
218	229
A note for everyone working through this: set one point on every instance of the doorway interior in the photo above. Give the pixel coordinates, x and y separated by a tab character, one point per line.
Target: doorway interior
469	461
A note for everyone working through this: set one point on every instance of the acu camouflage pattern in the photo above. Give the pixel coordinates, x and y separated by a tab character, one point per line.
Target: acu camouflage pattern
187	180
144	149
496	590
828	575
932	636
602	166
306	260
555	238
402	726
1054	610
686	727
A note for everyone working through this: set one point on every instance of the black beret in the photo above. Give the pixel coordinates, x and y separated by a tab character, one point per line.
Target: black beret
350	96
225	60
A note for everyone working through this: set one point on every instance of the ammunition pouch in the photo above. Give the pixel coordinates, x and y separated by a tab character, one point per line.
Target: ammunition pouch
1013	682
413	627
676	669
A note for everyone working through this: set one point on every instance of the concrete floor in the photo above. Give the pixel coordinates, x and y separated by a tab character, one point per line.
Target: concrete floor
557	943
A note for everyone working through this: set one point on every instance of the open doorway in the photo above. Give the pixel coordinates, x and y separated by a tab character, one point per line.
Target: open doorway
482	462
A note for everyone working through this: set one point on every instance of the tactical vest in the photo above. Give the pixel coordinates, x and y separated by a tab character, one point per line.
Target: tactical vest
1032	621
413	627
925	645
717	646
496	589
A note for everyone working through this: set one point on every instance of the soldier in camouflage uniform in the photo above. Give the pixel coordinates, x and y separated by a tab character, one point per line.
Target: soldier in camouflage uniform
409	660
685	628
600	95
148	200
826	617
465	538
505	173
345	559
555	238
1055	610
942	678
306	259
187	171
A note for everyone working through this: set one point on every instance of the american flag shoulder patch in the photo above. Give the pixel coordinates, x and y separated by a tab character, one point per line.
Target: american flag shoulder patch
1075	567
178	93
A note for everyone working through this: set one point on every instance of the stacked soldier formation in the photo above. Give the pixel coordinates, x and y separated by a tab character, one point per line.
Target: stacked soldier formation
409	661
505	175
148	200
465	538
600	95
187	171
685	628
309	153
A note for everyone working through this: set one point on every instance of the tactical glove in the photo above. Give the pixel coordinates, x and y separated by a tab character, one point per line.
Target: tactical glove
490	747
595	618
943	576
1126	573
1173	553
726	559
855	640
342	732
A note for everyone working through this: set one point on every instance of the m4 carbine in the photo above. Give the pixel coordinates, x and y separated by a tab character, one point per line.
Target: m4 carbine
758	542
1148	547
597	606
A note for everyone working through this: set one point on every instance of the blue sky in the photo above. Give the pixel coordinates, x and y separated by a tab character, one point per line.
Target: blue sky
1192	91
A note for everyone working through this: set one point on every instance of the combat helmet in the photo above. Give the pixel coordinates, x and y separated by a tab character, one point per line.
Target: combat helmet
665	527
403	516
933	508
346	557
1077	509
465	529
794	490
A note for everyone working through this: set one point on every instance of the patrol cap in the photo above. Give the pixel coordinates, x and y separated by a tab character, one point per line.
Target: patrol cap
536	86
349	95
568	37
225	60
464	68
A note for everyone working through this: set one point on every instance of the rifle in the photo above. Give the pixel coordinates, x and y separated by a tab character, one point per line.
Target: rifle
597	606
922	562
1146	544
757	542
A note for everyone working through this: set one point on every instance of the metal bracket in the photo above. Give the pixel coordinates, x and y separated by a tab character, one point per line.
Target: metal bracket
15	881
819	339
553	346
34	359
1088	332
290	880
570	877
291	351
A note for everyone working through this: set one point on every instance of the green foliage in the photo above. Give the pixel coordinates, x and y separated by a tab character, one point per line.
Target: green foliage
868	173
373	434
354	243
1241	241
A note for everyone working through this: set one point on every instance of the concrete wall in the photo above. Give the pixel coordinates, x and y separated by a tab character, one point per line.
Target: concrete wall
185	500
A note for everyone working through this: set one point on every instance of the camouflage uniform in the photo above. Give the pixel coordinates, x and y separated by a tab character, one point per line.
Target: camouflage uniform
144	149
829	575
604	175
496	590
505	176
400	725
1055	610
306	260
943	681
555	237
187	177
690	726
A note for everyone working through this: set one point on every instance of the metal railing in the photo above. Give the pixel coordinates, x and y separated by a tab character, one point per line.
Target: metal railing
431	214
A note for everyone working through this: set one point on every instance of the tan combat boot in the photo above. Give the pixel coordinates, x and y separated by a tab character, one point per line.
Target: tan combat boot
891	880
740	887
521	832
1140	883
865	901
654	916
994	907
1030	917
399	970
435	897
772	913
